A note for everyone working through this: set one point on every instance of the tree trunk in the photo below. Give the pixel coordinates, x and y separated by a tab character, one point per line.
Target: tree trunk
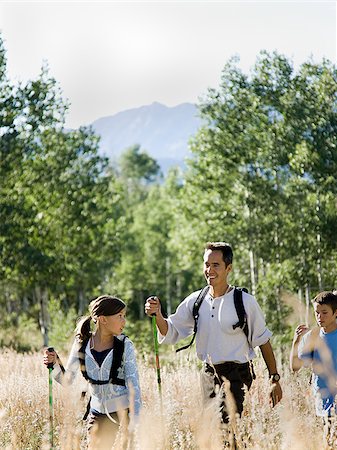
25	302
278	305
278	257
178	287
41	296
307	305
300	299
81	301
141	305
252	271
319	246
168	287
11	307
252	255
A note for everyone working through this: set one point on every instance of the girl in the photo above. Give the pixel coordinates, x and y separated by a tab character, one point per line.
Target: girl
107	360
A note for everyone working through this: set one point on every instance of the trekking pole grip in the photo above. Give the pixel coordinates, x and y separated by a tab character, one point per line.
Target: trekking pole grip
50	365
153	297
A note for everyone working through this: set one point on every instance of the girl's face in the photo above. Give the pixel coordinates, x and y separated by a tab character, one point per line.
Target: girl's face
116	323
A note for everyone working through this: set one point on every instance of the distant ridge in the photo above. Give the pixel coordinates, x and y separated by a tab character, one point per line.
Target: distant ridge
162	131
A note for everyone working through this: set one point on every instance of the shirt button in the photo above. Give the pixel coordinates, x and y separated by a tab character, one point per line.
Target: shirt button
212	315
213	307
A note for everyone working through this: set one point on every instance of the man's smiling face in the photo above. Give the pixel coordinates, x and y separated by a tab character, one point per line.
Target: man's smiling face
215	269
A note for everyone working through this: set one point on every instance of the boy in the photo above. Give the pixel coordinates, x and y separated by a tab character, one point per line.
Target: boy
318	348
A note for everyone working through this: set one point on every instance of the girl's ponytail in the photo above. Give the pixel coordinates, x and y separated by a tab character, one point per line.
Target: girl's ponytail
104	305
83	330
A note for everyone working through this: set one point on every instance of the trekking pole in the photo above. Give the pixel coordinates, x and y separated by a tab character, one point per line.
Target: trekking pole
156	350
50	367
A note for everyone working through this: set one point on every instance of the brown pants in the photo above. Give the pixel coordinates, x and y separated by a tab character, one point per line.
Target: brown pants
237	374
102	431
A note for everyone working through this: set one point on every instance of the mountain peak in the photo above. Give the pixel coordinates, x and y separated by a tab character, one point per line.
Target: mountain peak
160	130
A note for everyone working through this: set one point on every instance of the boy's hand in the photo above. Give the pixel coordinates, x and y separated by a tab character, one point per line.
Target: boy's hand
300	331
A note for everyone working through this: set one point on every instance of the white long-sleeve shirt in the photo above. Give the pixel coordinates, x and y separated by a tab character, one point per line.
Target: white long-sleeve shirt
216	340
106	398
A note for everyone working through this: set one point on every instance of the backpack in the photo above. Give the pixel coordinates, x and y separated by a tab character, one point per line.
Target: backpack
118	347
240	311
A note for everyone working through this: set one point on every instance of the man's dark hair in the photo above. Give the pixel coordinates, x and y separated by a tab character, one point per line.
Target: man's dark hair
326	298
226	249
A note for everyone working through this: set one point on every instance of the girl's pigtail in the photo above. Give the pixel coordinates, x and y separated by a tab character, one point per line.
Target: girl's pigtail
83	330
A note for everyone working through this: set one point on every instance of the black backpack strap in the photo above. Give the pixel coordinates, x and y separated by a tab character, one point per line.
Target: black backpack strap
240	311
195	312
118	352
87	410
117	358
58	359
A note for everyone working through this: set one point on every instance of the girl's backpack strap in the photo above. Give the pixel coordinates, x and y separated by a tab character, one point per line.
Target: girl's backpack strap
118	352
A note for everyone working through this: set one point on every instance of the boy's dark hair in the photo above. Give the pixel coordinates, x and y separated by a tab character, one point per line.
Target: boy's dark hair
226	249
326	298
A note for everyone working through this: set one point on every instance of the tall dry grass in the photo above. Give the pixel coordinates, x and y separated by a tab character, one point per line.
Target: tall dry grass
178	421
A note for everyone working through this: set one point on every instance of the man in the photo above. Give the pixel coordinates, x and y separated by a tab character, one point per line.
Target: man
225	350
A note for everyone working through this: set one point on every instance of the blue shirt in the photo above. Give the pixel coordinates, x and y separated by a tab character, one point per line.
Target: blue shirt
323	357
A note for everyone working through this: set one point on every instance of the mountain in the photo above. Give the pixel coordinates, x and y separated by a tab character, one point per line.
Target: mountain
160	130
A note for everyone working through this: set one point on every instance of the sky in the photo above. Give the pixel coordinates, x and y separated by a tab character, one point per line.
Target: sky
112	56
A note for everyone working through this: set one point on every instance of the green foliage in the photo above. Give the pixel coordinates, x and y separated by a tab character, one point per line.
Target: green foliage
137	165
24	336
140	333
261	176
62	325
269	294
60	203
148	263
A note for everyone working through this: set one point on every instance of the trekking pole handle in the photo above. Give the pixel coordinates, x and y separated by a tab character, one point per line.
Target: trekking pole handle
50	365
153	297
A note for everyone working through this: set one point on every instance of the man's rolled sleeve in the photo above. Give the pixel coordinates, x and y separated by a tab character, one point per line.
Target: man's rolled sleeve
262	338
260	334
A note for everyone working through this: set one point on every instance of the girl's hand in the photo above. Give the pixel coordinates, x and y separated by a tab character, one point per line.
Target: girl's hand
49	357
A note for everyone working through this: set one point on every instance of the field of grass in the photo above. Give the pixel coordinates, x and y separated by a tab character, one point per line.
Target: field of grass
178	422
